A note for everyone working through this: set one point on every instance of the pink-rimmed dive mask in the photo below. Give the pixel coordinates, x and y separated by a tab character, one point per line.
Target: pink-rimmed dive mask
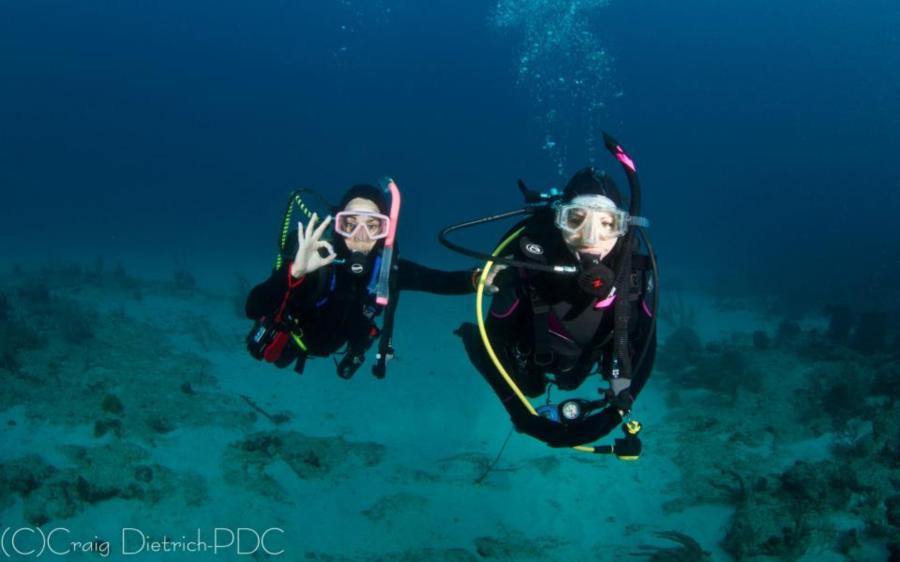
349	223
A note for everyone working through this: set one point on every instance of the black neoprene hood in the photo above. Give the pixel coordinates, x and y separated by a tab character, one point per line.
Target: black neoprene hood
365	191
589	181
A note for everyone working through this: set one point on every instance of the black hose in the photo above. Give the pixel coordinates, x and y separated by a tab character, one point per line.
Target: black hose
442	237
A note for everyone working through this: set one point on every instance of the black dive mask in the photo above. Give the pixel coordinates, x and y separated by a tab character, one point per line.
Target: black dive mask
595	278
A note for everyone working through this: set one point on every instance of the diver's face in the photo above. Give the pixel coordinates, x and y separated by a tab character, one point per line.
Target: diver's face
360	241
595	236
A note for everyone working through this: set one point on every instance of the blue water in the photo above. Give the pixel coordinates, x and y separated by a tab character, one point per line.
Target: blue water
746	123
167	134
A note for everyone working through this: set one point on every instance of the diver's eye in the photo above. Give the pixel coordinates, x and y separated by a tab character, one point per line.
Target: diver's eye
350	225
373	225
575	218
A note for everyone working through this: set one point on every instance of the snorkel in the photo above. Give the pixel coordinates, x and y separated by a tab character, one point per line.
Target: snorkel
382	290
634	184
385	290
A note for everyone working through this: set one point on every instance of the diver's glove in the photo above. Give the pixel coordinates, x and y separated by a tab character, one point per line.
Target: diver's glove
619	394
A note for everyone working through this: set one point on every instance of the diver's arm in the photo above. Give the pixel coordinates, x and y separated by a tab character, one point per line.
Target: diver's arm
266	297
415	277
600	424
552	433
298	277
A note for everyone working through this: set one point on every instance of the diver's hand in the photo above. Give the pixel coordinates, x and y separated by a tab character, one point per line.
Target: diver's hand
492	274
309	242
489	286
620	394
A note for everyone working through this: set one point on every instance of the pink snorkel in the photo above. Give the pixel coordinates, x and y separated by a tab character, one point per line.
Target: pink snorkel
387	255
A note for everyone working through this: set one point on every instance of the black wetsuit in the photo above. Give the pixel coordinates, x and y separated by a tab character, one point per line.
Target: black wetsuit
570	342
332	308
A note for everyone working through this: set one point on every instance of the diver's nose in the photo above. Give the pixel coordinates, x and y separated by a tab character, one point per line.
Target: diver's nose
361	234
590	233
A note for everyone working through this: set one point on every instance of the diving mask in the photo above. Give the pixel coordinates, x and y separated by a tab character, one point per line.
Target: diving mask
349	223
595	218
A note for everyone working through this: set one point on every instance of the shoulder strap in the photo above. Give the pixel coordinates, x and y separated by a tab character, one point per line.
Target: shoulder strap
540	311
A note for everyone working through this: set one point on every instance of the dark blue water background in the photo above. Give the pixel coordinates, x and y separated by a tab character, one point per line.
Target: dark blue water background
766	133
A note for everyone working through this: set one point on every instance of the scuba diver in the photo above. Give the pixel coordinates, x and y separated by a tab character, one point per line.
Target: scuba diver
325	295
574	297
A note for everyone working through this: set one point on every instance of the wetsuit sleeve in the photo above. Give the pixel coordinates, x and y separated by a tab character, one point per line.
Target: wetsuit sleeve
415	277
266	297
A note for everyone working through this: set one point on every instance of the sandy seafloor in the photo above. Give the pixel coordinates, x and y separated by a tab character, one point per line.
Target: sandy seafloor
394	469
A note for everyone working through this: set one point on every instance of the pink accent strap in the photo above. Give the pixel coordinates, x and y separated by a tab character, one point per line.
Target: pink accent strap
605	302
514	306
624	158
646	308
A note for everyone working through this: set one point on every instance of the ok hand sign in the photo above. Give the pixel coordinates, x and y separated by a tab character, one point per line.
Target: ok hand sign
309	242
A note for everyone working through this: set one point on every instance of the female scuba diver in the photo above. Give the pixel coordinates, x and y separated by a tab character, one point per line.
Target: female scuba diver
576	298
328	296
